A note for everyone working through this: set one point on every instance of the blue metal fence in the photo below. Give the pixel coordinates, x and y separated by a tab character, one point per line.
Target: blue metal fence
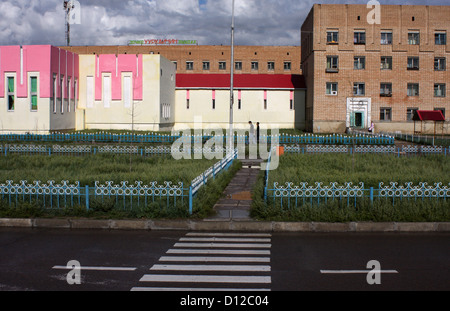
65	195
291	196
166	138
394	150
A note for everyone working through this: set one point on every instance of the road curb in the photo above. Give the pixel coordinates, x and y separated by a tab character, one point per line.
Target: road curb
231	225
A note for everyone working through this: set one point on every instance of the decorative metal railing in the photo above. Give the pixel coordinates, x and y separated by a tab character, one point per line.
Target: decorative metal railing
291	196
64	195
398	151
105	137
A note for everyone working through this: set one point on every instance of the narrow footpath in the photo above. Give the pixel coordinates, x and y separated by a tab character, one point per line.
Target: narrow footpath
237	200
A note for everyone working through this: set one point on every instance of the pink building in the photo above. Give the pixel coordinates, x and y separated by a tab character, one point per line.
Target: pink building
38	88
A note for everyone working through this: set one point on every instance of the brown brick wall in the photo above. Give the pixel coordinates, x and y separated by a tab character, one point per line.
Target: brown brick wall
399	20
199	53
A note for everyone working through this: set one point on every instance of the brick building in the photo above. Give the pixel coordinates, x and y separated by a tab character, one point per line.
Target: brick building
213	58
358	72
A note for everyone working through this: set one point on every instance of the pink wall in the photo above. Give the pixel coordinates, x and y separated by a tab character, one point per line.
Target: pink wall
106	63
64	63
45	59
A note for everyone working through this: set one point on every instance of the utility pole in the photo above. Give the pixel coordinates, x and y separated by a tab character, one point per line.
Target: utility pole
231	134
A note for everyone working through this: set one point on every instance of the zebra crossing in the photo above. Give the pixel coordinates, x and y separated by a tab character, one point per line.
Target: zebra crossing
205	261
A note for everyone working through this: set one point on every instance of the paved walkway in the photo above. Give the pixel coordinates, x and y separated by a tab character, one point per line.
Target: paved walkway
236	202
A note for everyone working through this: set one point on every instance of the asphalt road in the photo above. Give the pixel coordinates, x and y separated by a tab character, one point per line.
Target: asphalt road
36	260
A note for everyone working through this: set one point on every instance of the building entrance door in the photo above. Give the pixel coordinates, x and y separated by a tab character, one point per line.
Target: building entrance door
359	119
358	112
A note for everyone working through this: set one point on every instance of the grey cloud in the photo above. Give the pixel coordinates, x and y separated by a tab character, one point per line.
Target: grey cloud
111	22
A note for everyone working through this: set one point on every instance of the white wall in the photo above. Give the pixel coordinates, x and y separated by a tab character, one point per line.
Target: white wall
277	115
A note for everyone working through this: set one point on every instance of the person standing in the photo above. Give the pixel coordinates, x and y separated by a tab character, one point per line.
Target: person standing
257	132
251	137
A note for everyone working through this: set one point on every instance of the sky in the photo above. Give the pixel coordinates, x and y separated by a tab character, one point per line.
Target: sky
115	22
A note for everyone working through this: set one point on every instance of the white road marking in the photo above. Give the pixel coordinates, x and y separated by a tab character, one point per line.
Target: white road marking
213	239
191	289
250	268
231	245
205	278
241	252
213	259
218	251
356	271
229	234
97	268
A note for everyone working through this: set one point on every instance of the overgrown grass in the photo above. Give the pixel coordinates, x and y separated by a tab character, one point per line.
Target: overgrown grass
371	169
368	168
110	208
101	167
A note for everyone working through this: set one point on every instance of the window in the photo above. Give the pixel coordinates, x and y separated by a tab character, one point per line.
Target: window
33	93
413	89
237	65
189	65
287	65
222	65
385	114
127	91
439	90
332	37
89	92
440	38
176	64
414	38
270	65
69	92
11	93
359	88
254	65
359	62
386	62
206	65
386	89
413	63
332	64
265	100
332	88
291	100
441	110
187	98
106	91
75	94
439	63
61	94
410	113
359	37
386	38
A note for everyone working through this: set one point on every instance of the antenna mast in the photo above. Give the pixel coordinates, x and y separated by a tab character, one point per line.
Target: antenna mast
68	6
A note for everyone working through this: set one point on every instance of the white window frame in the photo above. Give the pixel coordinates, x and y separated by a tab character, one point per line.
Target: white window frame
411	89
439	90
7	93
31	94
331	88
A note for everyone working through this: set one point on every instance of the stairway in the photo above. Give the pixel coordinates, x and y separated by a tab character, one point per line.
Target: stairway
237	200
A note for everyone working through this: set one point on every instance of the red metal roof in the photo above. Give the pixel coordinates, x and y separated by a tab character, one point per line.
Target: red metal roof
428	115
240	81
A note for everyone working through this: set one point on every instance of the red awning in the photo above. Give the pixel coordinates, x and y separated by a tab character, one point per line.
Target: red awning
428	115
240	81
